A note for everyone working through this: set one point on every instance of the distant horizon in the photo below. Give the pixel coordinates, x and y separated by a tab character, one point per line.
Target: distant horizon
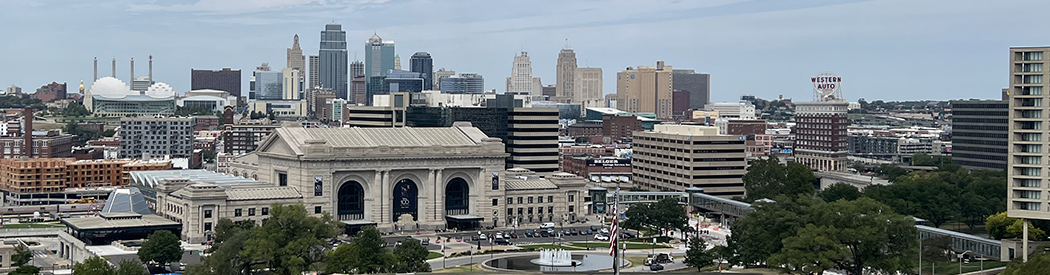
891	50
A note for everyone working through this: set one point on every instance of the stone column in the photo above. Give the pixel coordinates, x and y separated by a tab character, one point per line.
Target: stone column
439	190
433	205
387	198
377	194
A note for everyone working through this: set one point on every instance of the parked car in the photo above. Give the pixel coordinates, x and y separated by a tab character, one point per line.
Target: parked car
601	237
426	241
572	231
547	225
545	233
594	228
513	235
656	267
502	242
529	233
627	235
497	235
590	232
482	236
604	230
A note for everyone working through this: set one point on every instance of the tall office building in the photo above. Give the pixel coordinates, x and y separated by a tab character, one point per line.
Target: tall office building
710	161
588	86
397	62
1027	175
465	83
520	80
379	59
315	71
291	84
333	59
358	85
698	85
566	74
357	69
439	74
227	80
980	133
821	141
645	90
422	63
295	56
268	85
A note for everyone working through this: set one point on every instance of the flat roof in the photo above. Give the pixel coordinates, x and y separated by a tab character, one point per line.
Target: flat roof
98	222
152	178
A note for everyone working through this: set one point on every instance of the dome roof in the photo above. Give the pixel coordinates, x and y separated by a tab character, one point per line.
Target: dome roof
110	87
160	90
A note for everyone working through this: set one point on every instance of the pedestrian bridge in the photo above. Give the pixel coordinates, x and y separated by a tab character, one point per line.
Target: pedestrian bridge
985	247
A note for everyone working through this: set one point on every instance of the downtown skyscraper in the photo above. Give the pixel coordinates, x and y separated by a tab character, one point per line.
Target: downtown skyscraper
566	76
379	60
520	80
422	63
332	57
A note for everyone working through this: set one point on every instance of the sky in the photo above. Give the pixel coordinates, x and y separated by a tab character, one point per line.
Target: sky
882	49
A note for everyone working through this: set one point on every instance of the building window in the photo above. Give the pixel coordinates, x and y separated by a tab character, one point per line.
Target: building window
495	202
510	201
530	199
550	198
317	210
571	208
265	211
207	226
237	212
539	199
521	200
572	198
207	214
282	179
251	212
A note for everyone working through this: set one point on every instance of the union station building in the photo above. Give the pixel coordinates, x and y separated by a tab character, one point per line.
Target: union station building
393	178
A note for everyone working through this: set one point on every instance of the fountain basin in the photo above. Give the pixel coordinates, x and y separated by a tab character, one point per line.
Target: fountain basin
525	263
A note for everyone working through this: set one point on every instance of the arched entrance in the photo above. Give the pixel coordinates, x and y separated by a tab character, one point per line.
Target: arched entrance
351	205
405	199
457	195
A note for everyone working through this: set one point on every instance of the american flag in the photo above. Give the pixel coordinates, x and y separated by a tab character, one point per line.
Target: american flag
613	232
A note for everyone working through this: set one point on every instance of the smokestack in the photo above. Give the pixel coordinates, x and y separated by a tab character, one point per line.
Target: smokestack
27	146
132	79
151	69
96	71
114	68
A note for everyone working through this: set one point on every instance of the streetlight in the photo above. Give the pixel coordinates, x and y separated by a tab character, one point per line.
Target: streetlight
961	259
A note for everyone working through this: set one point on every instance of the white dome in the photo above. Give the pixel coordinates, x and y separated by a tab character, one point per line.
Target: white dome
160	90
110	87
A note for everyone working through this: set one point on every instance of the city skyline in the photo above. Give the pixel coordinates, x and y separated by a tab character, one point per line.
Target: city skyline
888	50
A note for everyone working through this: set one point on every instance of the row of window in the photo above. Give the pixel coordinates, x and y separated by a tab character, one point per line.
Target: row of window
251	212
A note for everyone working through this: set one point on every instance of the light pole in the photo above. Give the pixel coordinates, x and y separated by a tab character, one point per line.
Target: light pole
961	259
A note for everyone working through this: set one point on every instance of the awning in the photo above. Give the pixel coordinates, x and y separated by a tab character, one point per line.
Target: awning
464	217
359	222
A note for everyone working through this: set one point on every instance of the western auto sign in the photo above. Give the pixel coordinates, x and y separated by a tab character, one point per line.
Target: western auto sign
826	81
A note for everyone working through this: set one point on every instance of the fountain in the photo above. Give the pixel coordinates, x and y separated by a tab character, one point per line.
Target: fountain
554	257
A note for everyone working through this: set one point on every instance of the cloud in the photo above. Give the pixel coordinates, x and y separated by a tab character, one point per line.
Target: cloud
233	7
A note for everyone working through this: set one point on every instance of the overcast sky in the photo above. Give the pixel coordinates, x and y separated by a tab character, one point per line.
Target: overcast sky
883	49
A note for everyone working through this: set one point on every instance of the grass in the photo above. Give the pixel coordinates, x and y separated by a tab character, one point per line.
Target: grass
951	268
433	255
629	245
462	269
35	225
636	261
549	246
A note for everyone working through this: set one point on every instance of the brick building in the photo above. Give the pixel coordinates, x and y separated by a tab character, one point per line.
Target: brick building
52	175
206	123
585	129
620	126
590	167
746	127
51	92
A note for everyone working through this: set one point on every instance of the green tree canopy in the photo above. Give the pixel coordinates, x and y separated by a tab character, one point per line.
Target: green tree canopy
161	247
94	266
768	178
226	253
130	267
22	255
840	191
1038	263
26	270
698	256
759	235
664	214
924	195
291	241
411	257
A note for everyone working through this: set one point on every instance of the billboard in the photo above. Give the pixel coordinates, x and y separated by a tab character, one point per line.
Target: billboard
609	162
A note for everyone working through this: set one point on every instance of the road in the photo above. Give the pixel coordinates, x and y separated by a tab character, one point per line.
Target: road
466	235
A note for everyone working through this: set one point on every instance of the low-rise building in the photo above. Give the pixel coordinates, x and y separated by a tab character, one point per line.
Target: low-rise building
594	168
676	157
244	137
585	129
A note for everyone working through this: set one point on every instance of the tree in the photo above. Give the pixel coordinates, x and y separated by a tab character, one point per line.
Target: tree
109	133
759	235
722	254
161	247
664	214
208	154
840	191
94	266
767	178
890	172
130	267
226	257
291	241
75	110
922	159
924	195
22	255
937	248
1038	263
26	270
341	260
698	256
371	256
1016	230
411	257
853	236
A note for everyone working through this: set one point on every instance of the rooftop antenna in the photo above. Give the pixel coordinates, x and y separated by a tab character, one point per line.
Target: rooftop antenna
566	43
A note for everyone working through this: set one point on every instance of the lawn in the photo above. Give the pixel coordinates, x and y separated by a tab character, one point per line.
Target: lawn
951	268
462	269
35	225
433	255
636	261
549	246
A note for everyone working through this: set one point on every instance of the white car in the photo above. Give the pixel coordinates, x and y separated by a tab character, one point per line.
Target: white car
482	236
604	231
498	235
601	237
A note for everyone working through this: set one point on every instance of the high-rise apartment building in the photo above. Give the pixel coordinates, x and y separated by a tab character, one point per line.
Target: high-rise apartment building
566	76
676	157
645	90
379	59
315	71
980	130
422	63
291	84
149	137
1027	175
520	80
698	85
588	86
821	141
397	62
465	83
332	58
227	80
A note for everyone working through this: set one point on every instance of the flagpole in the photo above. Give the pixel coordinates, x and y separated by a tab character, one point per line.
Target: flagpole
615	230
